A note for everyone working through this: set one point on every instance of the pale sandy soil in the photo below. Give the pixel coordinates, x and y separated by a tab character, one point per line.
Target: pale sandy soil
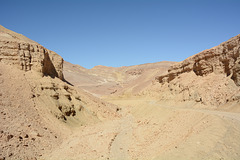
38	114
152	131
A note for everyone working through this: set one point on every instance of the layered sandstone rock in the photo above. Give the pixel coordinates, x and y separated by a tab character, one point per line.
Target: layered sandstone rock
222	59
64	101
17	50
38	111
210	77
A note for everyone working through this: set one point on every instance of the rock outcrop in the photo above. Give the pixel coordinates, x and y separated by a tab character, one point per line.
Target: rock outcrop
16	49
211	77
64	101
37	111
222	59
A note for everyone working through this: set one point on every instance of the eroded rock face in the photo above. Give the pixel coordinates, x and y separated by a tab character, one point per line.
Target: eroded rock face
17	50
211	77
31	57
212	90
236	73
222	59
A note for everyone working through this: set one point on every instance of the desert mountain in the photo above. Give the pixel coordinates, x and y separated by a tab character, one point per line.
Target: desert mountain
102	80
186	110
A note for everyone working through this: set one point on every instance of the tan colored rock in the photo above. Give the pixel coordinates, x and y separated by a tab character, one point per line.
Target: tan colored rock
38	112
42	109
210	77
222	59
17	50
236	73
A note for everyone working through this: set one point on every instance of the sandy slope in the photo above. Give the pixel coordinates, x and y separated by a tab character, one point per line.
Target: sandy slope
37	114
170	133
152	131
27	130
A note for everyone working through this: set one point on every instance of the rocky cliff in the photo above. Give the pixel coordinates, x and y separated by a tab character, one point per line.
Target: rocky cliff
210	77
222	59
25	54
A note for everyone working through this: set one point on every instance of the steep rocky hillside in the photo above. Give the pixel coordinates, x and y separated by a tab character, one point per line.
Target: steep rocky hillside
210	77
222	59
37	108
102	80
26	54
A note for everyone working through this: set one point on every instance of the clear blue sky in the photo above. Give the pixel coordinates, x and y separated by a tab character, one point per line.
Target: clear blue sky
123	32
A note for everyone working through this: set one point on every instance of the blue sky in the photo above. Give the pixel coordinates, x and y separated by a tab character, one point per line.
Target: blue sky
123	32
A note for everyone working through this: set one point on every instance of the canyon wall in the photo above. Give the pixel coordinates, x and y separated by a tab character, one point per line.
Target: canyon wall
25	54
222	59
211	77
